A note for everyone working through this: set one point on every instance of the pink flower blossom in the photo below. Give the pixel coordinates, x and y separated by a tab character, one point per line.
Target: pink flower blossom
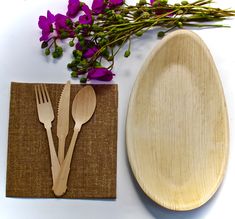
45	24
73	8
98	6
102	74
87	17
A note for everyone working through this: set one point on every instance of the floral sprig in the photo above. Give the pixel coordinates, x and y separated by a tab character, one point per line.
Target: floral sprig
98	33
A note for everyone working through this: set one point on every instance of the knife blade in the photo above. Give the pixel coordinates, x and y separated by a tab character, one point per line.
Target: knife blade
63	120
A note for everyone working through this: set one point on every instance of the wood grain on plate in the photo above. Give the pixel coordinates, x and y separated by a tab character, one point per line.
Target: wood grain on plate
177	126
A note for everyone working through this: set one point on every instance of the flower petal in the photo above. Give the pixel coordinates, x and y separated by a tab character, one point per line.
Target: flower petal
73	8
90	52
98	6
114	3
42	22
102	74
87	17
50	17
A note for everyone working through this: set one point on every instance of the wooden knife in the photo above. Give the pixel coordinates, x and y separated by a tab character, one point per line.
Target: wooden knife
63	120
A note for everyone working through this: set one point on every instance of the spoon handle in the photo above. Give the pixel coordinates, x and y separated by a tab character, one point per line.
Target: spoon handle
60	185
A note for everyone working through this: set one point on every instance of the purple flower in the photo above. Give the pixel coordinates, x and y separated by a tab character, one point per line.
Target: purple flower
98	6
60	22
78	46
87	17
102	74
90	52
61	25
160	10
88	43
45	24
114	3
73	8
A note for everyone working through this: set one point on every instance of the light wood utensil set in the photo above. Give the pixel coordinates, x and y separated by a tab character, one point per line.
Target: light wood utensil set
83	107
176	130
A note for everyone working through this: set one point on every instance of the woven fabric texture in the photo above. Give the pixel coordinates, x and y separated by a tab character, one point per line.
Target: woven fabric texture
93	166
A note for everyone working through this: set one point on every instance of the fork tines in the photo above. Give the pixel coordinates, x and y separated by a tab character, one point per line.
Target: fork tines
41	93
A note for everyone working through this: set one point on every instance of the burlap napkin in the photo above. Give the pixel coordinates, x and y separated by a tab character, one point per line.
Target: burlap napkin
93	167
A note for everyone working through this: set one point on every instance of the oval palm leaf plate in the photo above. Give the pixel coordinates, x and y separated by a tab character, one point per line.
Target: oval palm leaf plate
177	126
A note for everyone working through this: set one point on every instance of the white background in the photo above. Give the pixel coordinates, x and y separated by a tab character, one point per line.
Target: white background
21	60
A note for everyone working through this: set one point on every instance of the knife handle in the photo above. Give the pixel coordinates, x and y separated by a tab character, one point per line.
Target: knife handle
60	185
61	148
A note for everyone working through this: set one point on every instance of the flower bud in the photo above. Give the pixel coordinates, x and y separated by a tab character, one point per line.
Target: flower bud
74	68
145	15
137	13
83	80
142	2
57	52
101	34
69	65
74	62
119	17
100	16
110	58
74	74
163	2
80	37
156	3
125	11
84	63
127	53
103	42
44	45
55	55
180	12
77	53
64	35
71	43
82	43
179	24
85	26
97	64
78	29
109	12
139	33
47	51
161	34
105	53
69	22
96	28
184	2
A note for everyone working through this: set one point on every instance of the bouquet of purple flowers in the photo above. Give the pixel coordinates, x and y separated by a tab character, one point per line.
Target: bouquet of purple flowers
98	33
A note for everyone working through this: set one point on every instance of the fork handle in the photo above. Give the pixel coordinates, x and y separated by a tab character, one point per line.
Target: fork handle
55	165
60	185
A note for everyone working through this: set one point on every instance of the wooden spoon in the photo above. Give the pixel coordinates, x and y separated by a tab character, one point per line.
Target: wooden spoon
83	108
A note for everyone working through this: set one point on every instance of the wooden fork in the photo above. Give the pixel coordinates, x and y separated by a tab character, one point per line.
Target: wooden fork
46	116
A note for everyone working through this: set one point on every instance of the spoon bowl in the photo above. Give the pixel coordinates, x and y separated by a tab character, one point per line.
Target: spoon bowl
84	105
